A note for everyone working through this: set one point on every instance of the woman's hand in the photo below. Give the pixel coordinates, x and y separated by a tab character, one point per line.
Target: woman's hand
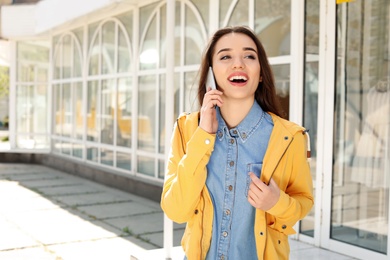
261	195
208	118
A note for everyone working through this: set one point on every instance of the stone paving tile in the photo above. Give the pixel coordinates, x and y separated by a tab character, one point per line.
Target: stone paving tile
115	210
78	200
68	190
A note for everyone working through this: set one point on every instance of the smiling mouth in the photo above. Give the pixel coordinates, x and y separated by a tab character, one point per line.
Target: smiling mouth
238	79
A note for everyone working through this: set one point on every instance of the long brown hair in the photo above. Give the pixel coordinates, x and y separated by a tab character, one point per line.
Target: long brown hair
265	94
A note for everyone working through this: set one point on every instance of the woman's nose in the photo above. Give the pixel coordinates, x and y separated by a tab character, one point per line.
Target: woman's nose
238	63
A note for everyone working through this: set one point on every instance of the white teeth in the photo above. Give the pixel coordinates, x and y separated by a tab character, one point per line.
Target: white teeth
237	78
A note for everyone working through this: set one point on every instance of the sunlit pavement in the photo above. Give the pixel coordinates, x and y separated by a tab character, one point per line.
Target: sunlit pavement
49	214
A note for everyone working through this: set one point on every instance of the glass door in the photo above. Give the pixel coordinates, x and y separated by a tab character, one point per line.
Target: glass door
361	134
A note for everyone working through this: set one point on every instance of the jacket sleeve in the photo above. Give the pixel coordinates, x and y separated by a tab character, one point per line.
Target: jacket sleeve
295	181
186	171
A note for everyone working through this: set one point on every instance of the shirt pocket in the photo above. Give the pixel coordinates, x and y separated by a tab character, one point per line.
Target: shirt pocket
256	169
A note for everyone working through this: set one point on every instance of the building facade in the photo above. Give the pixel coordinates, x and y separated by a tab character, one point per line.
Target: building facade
101	82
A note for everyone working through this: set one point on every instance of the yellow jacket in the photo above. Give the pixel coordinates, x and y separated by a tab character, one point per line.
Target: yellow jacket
185	197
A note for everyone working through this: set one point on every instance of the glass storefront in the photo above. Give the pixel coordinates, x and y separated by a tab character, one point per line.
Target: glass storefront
105	80
361	157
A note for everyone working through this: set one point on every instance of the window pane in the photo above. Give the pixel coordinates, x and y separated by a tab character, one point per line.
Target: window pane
149	51
147	112
124	62
124	112
94	58
190	92
67	54
79	113
92	154
123	161
240	15
272	25
108	48
92	130
361	162
58	113
146	165
194	41
77	150
107	112
24	108
107	157
67	127
160	136
282	80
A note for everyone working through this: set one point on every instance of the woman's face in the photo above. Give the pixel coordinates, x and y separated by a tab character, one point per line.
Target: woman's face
236	66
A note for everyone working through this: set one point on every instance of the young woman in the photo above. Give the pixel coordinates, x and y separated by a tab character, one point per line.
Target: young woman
237	173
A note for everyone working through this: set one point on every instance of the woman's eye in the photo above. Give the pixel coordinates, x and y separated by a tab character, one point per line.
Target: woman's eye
252	57
225	57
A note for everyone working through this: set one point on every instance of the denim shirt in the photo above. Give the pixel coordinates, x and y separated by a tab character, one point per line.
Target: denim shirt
237	152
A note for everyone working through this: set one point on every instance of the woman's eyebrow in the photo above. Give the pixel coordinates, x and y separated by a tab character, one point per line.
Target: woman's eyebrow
249	49
245	49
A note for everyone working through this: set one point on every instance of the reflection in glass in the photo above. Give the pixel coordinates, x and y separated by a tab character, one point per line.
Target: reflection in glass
239	15
190	92
194	42
360	196
146	165
66	59
282	81
58	114
77	150
124	119
106	114
149	58
272	25
124	61
66	127
92	126
161	169
123	161
108	48
92	154
160	121
107	157
147	111
78	108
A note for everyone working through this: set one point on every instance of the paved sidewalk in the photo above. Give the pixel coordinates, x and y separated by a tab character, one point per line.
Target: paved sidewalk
49	214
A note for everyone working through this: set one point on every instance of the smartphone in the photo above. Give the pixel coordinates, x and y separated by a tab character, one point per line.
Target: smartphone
210	82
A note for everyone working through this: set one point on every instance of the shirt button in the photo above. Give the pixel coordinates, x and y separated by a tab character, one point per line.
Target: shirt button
232	141
235	132
230	187
224	233
207	141
244	135
227	212
284	226
231	163
261	233
222	257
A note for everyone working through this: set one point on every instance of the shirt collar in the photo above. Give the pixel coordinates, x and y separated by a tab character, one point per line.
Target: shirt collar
247	126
